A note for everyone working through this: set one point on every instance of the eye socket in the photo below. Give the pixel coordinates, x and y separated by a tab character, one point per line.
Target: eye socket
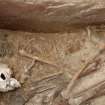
2	76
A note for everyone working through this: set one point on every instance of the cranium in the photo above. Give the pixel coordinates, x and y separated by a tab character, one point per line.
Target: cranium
7	83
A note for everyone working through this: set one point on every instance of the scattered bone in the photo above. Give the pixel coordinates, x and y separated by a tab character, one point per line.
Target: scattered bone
27	69
46	89
49	87
50	77
88	94
35	100
29	66
66	93
48	99
42	99
24	53
88	86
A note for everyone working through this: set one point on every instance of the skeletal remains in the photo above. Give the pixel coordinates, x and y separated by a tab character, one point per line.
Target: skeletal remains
77	91
7	83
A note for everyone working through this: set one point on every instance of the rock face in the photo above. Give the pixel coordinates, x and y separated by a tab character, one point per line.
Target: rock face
50	15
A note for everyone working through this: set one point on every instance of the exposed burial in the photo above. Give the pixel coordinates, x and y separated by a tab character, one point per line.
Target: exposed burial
52	52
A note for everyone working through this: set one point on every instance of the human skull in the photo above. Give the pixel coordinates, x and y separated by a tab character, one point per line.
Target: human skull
7	83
